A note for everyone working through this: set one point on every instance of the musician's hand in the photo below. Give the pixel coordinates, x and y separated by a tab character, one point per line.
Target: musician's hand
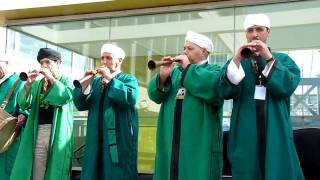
87	78
32	75
48	75
90	72
105	73
183	60
165	70
261	48
237	57
21	120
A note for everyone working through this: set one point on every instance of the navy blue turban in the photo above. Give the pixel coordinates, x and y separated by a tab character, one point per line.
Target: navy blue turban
48	53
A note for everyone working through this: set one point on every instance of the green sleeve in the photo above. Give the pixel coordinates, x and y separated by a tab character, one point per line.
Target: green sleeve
24	99
18	109
226	88
83	101
284	76
159	95
203	81
60	93
125	91
80	100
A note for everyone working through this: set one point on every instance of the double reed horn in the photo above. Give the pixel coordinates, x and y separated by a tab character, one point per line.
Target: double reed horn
78	83
246	53
152	64
23	76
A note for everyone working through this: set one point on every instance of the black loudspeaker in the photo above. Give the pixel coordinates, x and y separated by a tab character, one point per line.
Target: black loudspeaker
307	143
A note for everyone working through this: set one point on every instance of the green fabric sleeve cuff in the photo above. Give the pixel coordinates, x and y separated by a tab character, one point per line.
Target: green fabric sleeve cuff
167	84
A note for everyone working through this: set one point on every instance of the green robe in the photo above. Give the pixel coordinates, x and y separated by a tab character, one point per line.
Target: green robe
61	141
7	158
200	152
281	160
117	105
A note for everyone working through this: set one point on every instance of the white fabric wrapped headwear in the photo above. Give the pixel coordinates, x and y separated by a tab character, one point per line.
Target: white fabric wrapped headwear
200	40
256	20
116	51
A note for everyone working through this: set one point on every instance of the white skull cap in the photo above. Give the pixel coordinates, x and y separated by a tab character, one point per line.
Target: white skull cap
256	20
200	40
113	49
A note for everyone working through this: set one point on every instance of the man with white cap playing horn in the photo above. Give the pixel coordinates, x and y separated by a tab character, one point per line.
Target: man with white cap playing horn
112	127
189	122
260	138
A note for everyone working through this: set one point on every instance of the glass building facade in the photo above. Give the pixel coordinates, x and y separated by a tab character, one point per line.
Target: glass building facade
295	28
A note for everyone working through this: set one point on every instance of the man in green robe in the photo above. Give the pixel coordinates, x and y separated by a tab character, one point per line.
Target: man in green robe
7	81
112	127
46	147
261	139
189	131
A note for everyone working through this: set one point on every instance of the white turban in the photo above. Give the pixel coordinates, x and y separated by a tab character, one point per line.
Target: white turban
256	20
200	40
116	51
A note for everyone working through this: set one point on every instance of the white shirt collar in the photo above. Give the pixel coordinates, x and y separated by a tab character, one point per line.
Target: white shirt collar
202	62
